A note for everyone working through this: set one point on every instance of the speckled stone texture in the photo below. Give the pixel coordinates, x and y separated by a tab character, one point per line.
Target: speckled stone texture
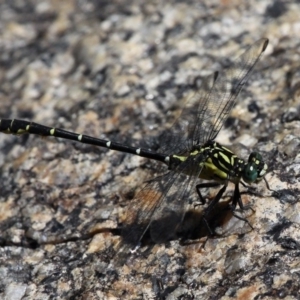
122	70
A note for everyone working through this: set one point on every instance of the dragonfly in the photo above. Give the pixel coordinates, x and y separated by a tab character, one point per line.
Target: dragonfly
188	149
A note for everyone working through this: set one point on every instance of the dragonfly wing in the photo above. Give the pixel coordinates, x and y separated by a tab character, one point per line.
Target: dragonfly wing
214	110
159	207
179	138
205	112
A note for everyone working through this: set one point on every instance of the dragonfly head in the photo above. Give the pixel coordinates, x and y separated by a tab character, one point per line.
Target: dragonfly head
255	169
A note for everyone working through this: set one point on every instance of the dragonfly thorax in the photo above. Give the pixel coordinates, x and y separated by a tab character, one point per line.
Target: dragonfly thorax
213	161
221	164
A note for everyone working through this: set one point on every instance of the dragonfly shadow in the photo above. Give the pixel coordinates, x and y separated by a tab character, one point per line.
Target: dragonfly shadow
196	226
171	227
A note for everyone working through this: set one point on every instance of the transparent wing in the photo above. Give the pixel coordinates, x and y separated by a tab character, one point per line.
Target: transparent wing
179	138
160	206
205	112
228	83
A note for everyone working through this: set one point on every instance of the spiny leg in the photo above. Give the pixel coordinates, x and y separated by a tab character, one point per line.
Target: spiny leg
236	199
202	186
210	207
268	187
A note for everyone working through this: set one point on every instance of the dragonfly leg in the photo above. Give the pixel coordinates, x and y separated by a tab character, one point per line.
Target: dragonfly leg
210	207
236	199
202	186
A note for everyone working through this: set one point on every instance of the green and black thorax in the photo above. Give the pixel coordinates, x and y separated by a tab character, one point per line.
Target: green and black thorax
218	163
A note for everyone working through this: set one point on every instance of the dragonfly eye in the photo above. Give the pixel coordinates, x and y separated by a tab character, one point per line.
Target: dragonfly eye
255	169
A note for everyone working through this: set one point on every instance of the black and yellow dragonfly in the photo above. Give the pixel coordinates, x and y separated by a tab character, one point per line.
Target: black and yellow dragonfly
188	149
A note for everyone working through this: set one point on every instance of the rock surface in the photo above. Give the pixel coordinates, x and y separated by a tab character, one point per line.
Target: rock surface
122	70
